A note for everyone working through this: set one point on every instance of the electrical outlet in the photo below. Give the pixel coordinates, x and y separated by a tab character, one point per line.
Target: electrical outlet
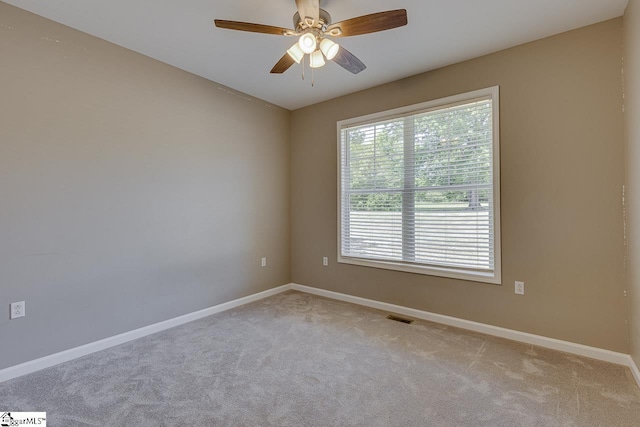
325	261
17	310
264	262
520	288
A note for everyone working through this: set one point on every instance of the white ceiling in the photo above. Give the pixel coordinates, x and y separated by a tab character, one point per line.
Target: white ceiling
439	33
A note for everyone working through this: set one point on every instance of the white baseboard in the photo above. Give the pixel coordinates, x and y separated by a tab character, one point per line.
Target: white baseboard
524	337
634	370
67	355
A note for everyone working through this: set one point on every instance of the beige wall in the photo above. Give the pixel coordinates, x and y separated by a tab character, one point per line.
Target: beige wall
130	191
562	177
632	160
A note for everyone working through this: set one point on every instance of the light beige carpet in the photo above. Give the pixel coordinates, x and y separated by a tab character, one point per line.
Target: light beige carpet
299	360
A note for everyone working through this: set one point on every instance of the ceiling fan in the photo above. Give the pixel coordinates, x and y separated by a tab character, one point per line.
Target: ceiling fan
313	26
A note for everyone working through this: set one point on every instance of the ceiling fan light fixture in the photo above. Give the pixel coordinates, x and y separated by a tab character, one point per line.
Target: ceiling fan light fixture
329	48
317	59
308	43
311	25
296	53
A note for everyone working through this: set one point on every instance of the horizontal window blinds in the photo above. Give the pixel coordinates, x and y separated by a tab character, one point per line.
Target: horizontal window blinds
418	188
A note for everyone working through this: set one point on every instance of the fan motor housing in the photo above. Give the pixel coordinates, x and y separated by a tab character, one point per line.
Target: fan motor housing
299	24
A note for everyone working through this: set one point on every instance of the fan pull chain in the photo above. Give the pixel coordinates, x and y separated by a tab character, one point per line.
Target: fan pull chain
304	60
312	78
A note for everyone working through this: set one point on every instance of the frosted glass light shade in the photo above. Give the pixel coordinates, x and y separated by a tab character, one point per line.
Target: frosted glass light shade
317	60
296	53
329	48
307	43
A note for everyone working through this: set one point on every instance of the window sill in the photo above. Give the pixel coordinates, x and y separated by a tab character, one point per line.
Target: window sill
491	278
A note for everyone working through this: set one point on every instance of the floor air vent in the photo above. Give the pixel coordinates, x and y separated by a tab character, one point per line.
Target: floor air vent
399	319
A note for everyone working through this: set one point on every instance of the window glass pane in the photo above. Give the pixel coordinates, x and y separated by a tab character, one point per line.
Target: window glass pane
375	226
453	228
454	146
376	156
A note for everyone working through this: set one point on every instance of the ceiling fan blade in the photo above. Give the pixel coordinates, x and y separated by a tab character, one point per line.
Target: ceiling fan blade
309	10
348	61
253	28
368	23
283	64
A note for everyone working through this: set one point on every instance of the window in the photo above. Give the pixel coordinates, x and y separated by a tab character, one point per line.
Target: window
419	188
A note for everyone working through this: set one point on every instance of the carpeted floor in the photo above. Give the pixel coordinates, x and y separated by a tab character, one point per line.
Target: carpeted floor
299	360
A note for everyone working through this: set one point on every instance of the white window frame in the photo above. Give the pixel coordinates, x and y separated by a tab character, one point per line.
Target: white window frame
494	277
